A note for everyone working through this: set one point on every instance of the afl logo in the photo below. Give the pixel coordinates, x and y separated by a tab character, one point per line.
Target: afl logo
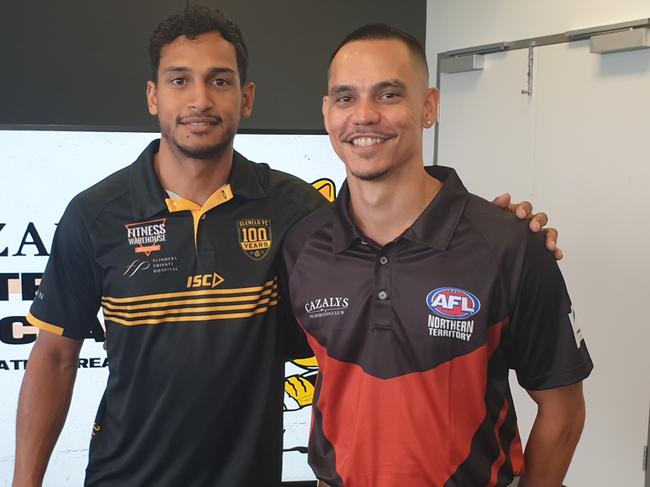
451	302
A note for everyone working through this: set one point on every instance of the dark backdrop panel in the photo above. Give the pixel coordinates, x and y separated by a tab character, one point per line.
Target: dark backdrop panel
84	63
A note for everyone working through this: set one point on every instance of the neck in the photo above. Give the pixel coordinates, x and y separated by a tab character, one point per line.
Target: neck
383	209
193	179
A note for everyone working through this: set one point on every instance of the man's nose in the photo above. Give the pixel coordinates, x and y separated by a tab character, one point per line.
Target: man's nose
366	112
200	100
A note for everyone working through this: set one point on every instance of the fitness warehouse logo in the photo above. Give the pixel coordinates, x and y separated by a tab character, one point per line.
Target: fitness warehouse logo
146	237
451	306
324	307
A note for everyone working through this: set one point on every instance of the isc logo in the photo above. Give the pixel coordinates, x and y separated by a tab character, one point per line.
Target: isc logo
204	280
451	302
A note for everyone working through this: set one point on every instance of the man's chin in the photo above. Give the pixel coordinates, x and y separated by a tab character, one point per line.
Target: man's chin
204	152
372	175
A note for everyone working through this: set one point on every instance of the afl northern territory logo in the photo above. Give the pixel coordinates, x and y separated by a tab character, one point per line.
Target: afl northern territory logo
255	237
453	303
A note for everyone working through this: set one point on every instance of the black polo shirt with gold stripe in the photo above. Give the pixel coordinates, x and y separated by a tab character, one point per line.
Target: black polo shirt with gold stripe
194	335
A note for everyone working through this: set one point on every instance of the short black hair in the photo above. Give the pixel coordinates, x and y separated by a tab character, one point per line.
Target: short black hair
194	21
379	31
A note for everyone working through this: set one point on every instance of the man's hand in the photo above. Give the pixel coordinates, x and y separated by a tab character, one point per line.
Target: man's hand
524	210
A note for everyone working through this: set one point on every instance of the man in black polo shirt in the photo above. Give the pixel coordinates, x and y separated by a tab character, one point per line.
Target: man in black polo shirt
417	297
180	251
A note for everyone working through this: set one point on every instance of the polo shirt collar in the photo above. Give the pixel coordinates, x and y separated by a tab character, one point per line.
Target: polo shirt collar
434	227
344	231
243	180
148	195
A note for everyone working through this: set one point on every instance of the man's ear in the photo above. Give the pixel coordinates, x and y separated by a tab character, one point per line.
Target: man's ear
325	110
152	98
431	104
247	99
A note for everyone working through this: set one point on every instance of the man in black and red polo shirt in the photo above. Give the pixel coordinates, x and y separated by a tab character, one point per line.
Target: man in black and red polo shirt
417	298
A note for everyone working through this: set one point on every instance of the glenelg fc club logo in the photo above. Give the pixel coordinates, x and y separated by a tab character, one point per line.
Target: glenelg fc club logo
255	237
453	303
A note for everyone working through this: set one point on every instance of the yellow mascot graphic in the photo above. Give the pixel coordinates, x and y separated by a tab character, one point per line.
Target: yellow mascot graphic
300	376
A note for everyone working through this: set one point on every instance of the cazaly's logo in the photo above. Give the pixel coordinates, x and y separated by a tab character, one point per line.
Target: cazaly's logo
255	237
321	307
146	237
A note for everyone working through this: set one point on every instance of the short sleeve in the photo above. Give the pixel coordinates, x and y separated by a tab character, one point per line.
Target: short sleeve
295	341
68	298
545	347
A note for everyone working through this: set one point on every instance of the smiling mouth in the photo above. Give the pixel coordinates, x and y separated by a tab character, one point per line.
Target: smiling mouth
200	122
367	141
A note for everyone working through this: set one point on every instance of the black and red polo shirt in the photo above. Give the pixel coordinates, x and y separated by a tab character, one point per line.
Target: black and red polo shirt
195	337
415	340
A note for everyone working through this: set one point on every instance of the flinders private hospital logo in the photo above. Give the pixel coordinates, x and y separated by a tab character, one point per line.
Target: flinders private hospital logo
146	237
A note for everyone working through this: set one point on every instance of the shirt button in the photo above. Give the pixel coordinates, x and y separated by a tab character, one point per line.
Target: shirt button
382	295
383	260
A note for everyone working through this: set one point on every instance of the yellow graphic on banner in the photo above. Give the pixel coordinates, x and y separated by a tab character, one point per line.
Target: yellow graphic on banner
300	378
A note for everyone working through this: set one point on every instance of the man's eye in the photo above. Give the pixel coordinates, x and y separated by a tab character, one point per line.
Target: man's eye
389	95
178	81
220	82
344	99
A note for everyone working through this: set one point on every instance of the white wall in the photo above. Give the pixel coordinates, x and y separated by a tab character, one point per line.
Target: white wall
465	23
611	447
454	24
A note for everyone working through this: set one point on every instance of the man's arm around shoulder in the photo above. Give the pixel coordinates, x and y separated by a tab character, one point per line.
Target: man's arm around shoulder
555	434
43	404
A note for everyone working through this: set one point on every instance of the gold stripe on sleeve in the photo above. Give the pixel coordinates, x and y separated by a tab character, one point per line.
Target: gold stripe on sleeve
44	325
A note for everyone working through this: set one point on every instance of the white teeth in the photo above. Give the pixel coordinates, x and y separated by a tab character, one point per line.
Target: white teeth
366	141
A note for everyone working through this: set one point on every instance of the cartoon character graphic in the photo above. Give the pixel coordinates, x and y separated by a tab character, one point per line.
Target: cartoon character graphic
299	382
299	385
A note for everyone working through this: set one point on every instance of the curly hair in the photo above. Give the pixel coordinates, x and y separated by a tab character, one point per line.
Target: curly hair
194	21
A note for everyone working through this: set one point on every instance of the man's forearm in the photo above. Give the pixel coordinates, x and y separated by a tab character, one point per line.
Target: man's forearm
42	408
550	447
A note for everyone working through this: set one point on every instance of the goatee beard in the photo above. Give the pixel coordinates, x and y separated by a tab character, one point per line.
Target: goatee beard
203	153
370	176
